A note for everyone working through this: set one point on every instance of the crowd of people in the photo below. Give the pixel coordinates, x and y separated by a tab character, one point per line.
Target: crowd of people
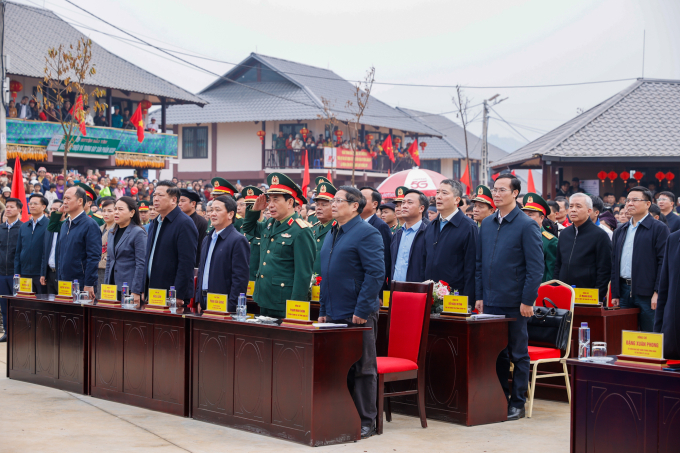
494	247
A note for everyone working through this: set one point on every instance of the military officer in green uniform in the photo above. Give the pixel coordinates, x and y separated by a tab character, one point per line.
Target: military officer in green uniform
286	250
250	194
143	207
223	187
91	196
398	200
323	195
484	205
536	208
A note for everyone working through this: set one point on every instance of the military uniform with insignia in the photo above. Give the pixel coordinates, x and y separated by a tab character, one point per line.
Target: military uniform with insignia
91	196
286	253
483	195
250	194
534	202
398	200
223	187
324	191
143	207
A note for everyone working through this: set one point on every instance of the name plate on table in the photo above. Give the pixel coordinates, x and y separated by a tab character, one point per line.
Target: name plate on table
64	290
217	303
456	305
642	344
316	293
386	299
109	292
157	297
587	296
251	288
26	285
297	314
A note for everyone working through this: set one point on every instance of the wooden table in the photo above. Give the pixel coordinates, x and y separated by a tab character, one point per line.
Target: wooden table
48	343
140	357
605	325
279	381
618	408
462	384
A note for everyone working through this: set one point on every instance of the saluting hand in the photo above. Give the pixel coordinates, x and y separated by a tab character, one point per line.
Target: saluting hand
260	203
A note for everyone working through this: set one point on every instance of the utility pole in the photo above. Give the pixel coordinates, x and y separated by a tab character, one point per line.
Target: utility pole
485	142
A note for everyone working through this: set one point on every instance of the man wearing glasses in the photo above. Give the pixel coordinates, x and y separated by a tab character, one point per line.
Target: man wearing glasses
509	272
635	282
666	204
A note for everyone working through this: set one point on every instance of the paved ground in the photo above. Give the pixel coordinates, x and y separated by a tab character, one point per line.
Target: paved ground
41	419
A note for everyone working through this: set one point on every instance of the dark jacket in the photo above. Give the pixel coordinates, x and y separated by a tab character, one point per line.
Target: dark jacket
673	221
174	256
202	227
509	260
451	254
54	226
127	259
584	257
667	316
28	258
386	234
416	266
79	251
648	250
229	267
8	247
352	271
45	188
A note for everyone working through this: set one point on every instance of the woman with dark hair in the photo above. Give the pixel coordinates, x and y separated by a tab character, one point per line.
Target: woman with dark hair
126	255
106	210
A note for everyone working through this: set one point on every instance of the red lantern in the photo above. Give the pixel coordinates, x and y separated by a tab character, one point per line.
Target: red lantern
369	139
423	145
602	176
304	131
638	176
625	176
397	141
146	105
612	176
15	86
261	134
670	176
660	176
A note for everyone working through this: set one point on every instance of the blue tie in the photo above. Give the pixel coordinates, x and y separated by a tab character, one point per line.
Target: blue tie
206	270
442	223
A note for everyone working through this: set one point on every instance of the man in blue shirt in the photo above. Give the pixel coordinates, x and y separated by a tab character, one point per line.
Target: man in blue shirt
408	244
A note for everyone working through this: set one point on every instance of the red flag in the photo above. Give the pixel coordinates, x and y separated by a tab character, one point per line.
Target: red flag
413	151
388	172
305	177
494	176
18	190
328	176
387	147
513	173
465	179
78	114
530	180
138	123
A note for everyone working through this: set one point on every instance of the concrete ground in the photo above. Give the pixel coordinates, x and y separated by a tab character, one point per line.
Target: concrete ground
42	419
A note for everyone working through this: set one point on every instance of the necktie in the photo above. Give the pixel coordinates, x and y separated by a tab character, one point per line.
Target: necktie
442	223
206	270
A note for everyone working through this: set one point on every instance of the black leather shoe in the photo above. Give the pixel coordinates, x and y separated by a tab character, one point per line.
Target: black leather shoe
515	413
3	339
367	431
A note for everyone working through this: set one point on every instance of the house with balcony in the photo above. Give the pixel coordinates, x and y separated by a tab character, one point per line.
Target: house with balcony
29	33
267	96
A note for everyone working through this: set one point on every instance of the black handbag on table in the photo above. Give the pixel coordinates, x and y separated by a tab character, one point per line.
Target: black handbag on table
549	326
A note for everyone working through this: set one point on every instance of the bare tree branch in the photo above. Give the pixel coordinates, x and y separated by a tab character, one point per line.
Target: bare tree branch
462	103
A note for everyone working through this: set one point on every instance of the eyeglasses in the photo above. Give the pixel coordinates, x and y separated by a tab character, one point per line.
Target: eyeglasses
634	200
339	200
501	190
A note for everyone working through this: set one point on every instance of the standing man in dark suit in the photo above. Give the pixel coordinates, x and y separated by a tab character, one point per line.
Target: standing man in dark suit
171	245
637	255
509	272
369	214
28	258
9	235
666	204
667	317
48	267
224	265
352	274
408	243
187	203
451	243
79	248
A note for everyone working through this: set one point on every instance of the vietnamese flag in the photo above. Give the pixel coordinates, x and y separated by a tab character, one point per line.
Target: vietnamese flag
387	147
305	176
465	179
78	114
329	177
18	190
413	151
530	181
138	123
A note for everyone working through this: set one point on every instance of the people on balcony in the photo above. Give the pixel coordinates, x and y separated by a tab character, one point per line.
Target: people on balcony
88	116
66	111
117	118
281	147
24	111
152	126
100	120
11	110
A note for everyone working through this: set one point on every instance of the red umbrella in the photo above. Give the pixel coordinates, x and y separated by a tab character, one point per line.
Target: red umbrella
426	181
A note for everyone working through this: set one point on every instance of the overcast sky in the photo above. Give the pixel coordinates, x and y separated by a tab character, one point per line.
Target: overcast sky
447	42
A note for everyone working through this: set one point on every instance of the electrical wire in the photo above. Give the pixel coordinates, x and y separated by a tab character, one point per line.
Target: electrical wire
513	128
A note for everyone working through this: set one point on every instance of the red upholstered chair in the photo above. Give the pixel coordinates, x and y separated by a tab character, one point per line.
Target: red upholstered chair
563	296
408	324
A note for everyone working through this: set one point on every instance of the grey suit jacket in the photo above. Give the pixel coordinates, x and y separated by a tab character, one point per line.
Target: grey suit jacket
128	260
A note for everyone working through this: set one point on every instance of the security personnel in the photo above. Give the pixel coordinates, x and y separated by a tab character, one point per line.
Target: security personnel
250	194
91	196
287	249
323	196
143	207
537	208
483	201
187	203
398	200
223	187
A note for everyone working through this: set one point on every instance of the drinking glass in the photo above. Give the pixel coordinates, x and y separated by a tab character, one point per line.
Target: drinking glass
599	349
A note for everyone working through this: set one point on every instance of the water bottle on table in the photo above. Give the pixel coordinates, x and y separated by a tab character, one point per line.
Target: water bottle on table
241	308
75	290
17	283
172	299
584	341
124	293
